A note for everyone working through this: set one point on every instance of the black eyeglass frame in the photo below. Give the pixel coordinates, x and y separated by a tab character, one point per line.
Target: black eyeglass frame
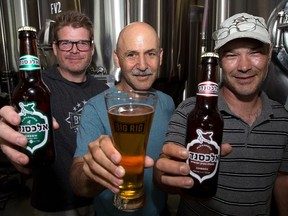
71	43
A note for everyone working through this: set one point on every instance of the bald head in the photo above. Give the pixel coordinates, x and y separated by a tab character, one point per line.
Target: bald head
138	55
140	31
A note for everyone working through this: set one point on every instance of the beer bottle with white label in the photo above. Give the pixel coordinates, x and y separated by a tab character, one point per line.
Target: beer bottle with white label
31	98
204	132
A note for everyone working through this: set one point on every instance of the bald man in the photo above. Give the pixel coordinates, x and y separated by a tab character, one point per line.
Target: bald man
96	171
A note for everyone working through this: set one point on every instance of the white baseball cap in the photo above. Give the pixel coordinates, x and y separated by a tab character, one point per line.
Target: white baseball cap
241	25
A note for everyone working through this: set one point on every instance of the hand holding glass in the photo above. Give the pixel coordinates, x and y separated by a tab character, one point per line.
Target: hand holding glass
130	115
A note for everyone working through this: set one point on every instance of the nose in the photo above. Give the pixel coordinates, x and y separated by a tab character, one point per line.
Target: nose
244	63
74	48
142	62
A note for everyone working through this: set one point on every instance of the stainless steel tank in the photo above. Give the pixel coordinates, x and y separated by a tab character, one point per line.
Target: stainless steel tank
13	14
184	27
170	18
108	16
276	84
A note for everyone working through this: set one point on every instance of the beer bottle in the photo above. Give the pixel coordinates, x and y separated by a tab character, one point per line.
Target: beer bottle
31	97
204	132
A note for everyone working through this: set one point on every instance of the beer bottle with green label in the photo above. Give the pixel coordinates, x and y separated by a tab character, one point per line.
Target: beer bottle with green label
31	97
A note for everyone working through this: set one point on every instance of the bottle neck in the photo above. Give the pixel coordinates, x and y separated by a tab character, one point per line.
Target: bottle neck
29	63
207	102
207	94
209	72
30	76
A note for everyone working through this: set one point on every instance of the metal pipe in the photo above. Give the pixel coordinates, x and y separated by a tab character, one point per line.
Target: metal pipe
278	44
5	61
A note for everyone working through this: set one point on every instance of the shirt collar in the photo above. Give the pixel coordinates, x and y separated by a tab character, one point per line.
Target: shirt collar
266	112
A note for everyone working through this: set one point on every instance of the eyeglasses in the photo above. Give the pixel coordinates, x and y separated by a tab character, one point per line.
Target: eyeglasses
241	24
66	45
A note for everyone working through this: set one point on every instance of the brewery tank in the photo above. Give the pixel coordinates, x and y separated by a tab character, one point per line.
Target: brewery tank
109	17
180	24
276	83
13	13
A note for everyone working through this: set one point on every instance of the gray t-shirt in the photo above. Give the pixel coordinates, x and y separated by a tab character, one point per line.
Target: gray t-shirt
247	175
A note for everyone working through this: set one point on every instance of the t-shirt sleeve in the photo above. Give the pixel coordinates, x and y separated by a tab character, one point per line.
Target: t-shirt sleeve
284	163
177	126
92	125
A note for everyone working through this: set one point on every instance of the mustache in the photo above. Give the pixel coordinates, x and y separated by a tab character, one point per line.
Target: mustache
137	72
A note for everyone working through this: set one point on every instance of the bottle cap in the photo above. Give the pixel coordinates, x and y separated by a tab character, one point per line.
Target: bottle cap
26	28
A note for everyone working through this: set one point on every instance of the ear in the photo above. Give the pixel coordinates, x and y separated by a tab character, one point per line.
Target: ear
270	51
116	59
54	46
161	55
93	48
220	62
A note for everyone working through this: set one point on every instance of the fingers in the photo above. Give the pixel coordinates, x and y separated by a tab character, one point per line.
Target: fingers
171	169
15	155
177	181
101	164
175	151
11	140
174	173
9	114
8	134
101	175
22	168
55	124
226	149
172	160
149	162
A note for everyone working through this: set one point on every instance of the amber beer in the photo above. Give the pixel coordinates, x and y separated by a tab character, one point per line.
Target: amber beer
130	126
204	133
31	97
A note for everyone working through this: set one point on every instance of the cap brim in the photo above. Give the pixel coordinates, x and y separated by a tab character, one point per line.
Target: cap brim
237	35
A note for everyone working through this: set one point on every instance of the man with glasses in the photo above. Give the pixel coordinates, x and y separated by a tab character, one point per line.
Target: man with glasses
254	125
71	87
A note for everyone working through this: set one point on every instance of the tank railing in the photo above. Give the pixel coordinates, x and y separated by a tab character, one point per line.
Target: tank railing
281	26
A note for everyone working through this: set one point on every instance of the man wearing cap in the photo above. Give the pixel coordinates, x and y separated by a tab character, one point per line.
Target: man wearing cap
254	125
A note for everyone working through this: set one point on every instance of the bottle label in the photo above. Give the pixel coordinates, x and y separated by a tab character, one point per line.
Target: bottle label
204	155
29	63
207	88
34	125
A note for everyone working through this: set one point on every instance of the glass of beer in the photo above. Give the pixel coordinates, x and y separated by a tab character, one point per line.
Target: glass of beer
130	115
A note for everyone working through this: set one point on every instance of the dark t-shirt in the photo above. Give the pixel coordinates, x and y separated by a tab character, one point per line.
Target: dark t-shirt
51	190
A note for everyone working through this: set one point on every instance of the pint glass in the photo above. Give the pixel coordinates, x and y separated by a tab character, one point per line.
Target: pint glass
130	115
